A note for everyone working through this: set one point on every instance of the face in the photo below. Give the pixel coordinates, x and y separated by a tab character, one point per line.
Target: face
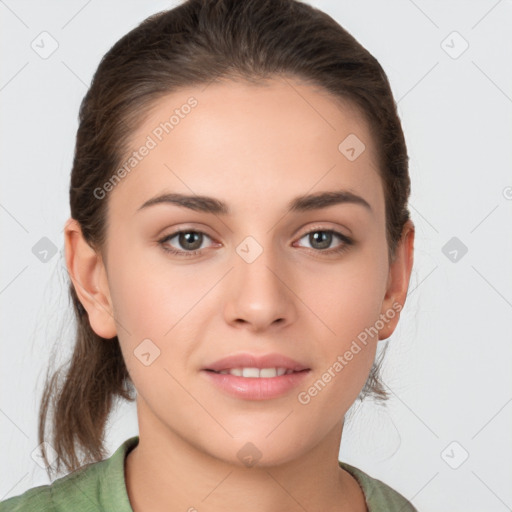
190	286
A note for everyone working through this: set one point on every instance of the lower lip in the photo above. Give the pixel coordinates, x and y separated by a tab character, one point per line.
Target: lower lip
261	388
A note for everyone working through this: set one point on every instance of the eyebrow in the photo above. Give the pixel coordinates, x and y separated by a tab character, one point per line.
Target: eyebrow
299	204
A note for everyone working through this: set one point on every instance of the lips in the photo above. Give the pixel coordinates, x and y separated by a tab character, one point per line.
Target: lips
248	363
252	377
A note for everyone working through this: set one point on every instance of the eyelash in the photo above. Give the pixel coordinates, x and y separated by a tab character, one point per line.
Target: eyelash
347	242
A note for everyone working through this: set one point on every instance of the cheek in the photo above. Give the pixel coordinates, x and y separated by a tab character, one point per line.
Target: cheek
347	298
151	312
150	298
348	302
161	303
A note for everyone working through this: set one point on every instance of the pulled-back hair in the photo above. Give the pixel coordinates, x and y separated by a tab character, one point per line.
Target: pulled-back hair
197	42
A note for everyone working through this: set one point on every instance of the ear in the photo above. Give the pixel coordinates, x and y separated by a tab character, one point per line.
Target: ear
88	275
398	281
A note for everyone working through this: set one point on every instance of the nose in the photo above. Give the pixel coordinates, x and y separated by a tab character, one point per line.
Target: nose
260	293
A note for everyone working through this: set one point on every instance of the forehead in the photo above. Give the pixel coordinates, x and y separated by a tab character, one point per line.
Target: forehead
251	145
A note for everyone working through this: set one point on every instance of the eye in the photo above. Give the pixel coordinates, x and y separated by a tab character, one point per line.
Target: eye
321	239
189	240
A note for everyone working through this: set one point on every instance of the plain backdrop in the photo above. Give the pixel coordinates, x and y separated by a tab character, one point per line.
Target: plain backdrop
444	438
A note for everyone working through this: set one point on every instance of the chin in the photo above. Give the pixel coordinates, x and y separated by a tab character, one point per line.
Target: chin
258	449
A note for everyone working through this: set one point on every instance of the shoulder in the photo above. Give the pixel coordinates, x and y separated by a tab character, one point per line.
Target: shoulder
92	487
35	499
379	496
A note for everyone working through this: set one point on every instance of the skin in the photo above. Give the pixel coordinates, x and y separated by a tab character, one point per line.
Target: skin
275	141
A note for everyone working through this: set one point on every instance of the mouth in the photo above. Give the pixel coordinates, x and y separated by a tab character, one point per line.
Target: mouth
258	373
256	365
249	376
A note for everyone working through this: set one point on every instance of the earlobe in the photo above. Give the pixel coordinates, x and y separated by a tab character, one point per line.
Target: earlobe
87	273
398	281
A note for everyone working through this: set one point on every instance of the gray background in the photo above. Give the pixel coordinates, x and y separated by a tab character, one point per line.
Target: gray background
444	438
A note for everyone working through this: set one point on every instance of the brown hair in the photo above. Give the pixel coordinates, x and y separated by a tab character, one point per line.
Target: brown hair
194	43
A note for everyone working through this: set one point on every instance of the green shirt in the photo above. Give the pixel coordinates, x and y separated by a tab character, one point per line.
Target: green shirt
101	486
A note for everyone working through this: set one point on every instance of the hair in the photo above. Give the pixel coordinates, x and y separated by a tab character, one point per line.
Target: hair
197	42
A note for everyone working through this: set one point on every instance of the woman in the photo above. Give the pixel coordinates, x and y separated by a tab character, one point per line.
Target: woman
239	242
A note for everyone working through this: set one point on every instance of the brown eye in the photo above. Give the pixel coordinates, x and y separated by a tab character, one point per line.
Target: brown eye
188	242
321	240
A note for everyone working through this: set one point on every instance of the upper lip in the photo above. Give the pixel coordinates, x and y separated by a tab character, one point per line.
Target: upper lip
255	361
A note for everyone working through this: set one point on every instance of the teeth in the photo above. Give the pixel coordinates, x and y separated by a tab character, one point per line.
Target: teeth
253	373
